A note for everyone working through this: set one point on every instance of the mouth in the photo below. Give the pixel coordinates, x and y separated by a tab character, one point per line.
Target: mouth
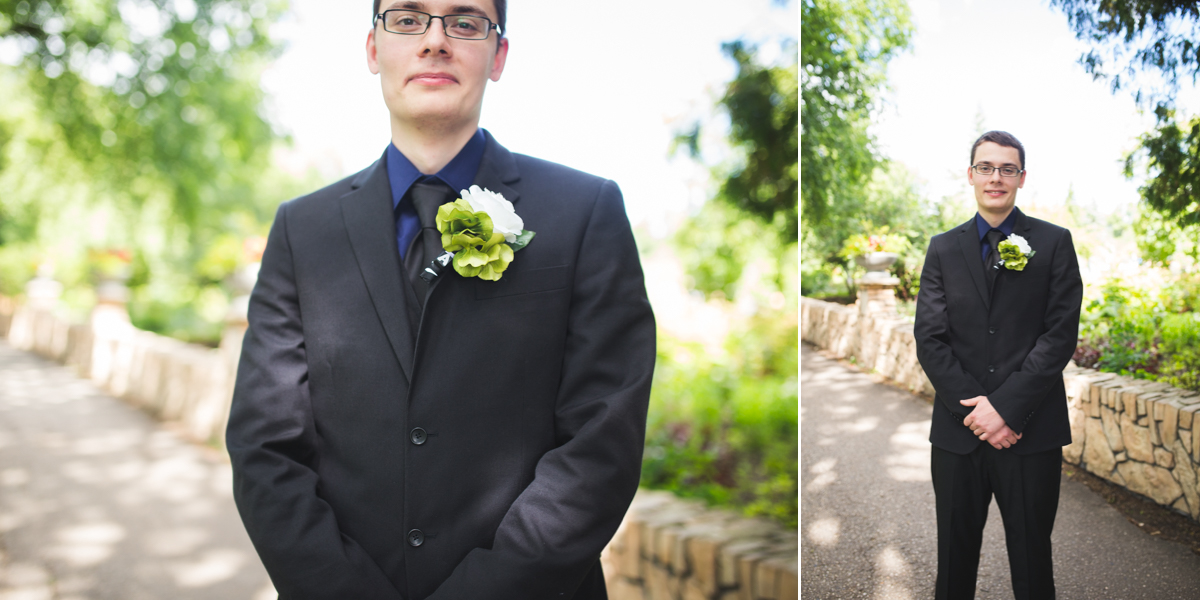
433	78
995	193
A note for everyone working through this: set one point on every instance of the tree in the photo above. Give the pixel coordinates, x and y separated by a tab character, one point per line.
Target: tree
845	47
154	98
1151	47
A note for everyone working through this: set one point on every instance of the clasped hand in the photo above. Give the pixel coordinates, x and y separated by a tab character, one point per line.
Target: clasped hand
986	423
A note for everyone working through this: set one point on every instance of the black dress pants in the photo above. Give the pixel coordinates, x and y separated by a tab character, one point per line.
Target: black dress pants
1026	490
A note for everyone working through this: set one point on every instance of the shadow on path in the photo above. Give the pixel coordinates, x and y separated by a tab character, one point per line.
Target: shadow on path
868	528
97	500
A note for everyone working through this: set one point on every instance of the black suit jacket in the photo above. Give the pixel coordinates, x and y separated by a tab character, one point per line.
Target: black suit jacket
501	428
1010	346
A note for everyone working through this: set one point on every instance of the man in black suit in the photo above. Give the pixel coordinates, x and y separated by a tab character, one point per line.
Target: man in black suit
463	438
996	325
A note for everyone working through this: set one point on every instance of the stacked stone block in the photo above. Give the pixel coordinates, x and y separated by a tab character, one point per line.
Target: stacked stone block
673	549
878	344
1138	434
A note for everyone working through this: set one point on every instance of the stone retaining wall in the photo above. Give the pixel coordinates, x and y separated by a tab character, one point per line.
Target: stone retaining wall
183	383
877	344
1141	435
673	549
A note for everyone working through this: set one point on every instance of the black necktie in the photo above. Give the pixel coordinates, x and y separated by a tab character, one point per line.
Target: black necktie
426	197
994	237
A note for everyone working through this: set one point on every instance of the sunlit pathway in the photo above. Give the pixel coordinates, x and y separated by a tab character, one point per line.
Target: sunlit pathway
99	501
867	519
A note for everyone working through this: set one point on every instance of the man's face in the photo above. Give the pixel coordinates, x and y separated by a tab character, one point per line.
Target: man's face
432	80
996	194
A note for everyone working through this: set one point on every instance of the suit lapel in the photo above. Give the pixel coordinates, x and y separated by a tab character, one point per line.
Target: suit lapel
370	225
497	169
968	241
1021	227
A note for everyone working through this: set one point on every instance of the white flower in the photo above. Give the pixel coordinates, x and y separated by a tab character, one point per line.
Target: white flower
504	217
1020	242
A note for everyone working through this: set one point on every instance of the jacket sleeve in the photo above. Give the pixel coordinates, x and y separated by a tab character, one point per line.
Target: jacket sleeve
1025	390
273	449
932	332
553	533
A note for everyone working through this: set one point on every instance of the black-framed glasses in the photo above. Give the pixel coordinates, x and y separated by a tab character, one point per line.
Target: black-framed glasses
1004	171
415	22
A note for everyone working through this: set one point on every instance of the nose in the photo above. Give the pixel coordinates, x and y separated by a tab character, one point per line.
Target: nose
435	37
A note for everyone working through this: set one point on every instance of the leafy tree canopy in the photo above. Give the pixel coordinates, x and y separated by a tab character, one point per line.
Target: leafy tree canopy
1129	37
845	46
1161	38
151	96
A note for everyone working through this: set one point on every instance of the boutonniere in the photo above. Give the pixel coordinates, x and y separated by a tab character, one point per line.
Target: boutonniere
480	232
1015	253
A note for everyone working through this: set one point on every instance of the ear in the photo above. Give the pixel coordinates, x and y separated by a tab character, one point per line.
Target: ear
372	59
971	176
1022	184
498	61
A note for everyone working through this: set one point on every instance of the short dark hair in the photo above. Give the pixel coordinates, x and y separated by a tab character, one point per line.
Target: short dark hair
501	13
1002	138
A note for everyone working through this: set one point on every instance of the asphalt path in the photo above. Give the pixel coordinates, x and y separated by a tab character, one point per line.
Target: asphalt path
98	500
868	528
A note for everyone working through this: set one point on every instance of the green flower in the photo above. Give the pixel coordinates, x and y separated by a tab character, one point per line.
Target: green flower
1015	253
479	251
485	262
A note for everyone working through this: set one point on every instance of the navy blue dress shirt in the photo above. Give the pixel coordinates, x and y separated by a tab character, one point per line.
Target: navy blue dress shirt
459	173
1006	228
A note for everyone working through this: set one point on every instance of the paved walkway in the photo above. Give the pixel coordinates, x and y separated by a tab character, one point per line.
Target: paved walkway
868	526
99	501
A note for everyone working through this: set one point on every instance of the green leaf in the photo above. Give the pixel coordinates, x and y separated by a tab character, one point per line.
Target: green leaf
522	240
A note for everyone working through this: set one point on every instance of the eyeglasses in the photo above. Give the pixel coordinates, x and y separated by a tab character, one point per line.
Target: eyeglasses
1004	171
412	22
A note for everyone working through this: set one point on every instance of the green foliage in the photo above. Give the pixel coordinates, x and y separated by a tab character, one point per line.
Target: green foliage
893	201
878	241
154	98
1173	157
138	125
725	430
1126	331
1130	38
845	46
762	107
717	244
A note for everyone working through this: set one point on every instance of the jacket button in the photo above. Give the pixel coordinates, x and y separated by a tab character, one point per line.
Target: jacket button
416	538
991	369
991	330
418	437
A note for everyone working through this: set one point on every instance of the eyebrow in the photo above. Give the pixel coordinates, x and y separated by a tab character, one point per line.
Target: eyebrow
458	9
989	163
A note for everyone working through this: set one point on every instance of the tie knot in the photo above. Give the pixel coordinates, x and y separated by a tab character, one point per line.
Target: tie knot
426	197
994	237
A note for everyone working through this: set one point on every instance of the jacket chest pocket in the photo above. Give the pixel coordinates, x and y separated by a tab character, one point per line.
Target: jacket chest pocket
515	283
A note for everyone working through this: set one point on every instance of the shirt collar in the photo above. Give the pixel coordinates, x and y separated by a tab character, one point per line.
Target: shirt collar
1006	227
459	173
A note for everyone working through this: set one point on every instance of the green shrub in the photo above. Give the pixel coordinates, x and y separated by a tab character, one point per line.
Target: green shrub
1130	332
725	430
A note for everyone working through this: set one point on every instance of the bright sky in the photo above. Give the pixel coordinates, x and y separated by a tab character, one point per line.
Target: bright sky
605	96
1015	63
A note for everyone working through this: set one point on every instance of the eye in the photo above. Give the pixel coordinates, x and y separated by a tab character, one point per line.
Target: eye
466	24
404	22
1009	171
